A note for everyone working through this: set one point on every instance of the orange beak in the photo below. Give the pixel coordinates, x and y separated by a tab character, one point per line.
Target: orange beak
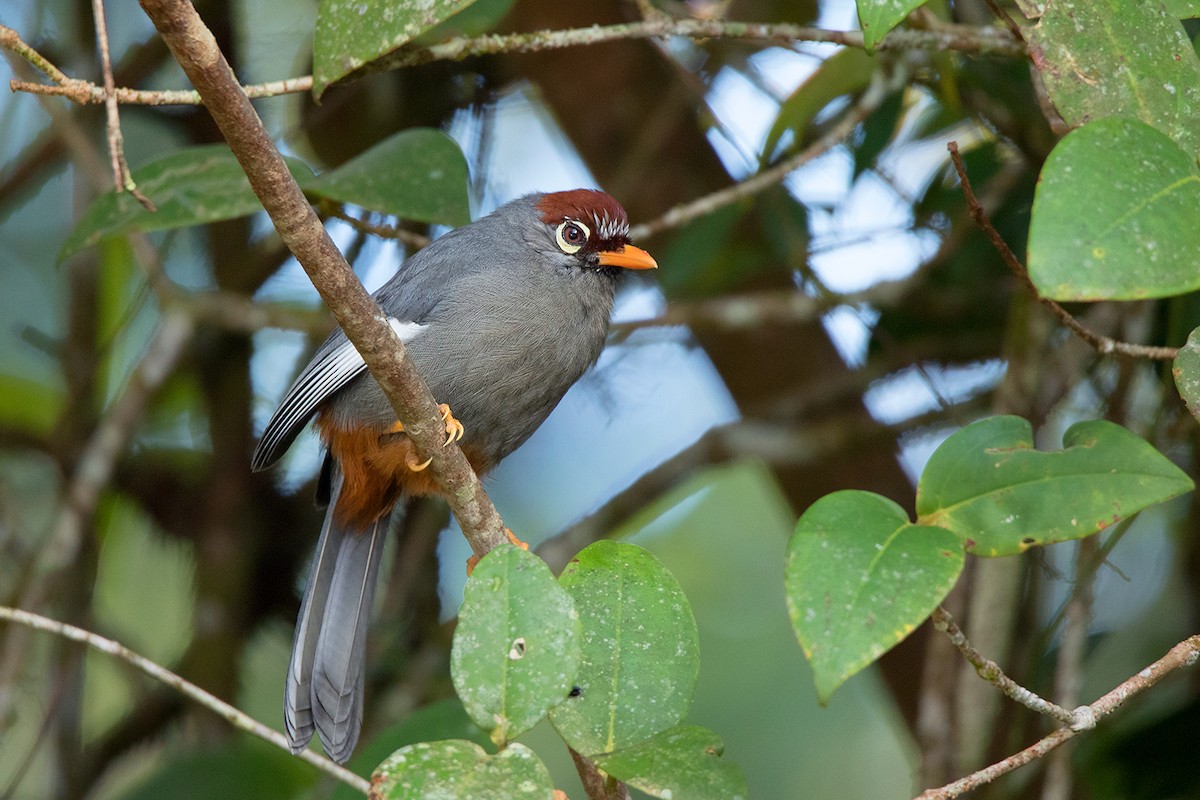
628	257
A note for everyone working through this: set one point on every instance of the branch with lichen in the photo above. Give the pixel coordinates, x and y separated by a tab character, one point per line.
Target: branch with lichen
959	38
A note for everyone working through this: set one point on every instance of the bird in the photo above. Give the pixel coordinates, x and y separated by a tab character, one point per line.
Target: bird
501	317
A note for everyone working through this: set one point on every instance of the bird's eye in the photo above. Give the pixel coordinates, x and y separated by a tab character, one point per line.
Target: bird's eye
571	236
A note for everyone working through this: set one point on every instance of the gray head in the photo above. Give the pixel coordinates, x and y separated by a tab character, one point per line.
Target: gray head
581	232
585	228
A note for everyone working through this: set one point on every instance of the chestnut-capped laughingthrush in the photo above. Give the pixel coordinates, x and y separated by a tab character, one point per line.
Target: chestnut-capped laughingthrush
500	317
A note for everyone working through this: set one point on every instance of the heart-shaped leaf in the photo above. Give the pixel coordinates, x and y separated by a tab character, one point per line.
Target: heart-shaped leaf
194	186
351	33
878	17
684	761
516	647
641	650
1143	200
989	485
860	578
418	174
460	769
1114	58
1187	373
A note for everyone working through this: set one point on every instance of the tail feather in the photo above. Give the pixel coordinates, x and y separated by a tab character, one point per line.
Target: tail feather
324	692
339	660
298	714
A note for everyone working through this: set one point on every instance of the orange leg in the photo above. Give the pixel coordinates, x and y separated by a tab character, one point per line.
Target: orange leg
512	537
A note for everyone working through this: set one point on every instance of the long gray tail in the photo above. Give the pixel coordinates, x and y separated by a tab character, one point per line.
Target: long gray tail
325	678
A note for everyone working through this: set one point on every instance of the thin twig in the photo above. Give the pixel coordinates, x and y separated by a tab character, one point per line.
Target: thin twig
1184	654
1008	21
767	307
238	719
1101	344
409	239
984	41
990	671
684	213
122	179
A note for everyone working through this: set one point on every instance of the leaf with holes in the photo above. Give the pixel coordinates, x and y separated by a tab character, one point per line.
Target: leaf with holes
516	648
988	484
684	761
457	768
352	33
878	17
641	650
1136	239
860	578
418	174
194	186
1114	58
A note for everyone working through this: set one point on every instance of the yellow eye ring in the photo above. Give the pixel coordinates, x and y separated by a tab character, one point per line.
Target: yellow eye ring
571	235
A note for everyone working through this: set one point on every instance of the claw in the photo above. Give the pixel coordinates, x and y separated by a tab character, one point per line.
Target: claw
412	464
454	428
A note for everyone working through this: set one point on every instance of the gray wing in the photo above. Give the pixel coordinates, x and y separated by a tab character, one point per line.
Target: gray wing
335	364
448	267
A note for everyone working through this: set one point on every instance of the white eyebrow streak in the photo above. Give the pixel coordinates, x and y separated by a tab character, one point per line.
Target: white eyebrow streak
609	228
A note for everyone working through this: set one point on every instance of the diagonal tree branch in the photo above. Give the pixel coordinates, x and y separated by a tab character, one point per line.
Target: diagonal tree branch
301	230
193	692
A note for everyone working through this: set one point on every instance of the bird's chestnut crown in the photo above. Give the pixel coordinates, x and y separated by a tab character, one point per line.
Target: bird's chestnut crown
592	226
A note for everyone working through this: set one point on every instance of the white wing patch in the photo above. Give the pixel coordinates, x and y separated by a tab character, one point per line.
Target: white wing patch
318	380
407	331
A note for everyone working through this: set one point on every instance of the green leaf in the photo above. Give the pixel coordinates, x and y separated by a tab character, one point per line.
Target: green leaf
878	17
516	648
1142	198
444	719
458	769
418	174
475	19
860	577
351	33
1103	58
684	761
1186	370
641	651
988	484
1182	9
845	72
194	186
29	406
879	130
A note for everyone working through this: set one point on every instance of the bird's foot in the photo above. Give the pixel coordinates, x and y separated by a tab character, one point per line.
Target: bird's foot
454	432
512	537
454	428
